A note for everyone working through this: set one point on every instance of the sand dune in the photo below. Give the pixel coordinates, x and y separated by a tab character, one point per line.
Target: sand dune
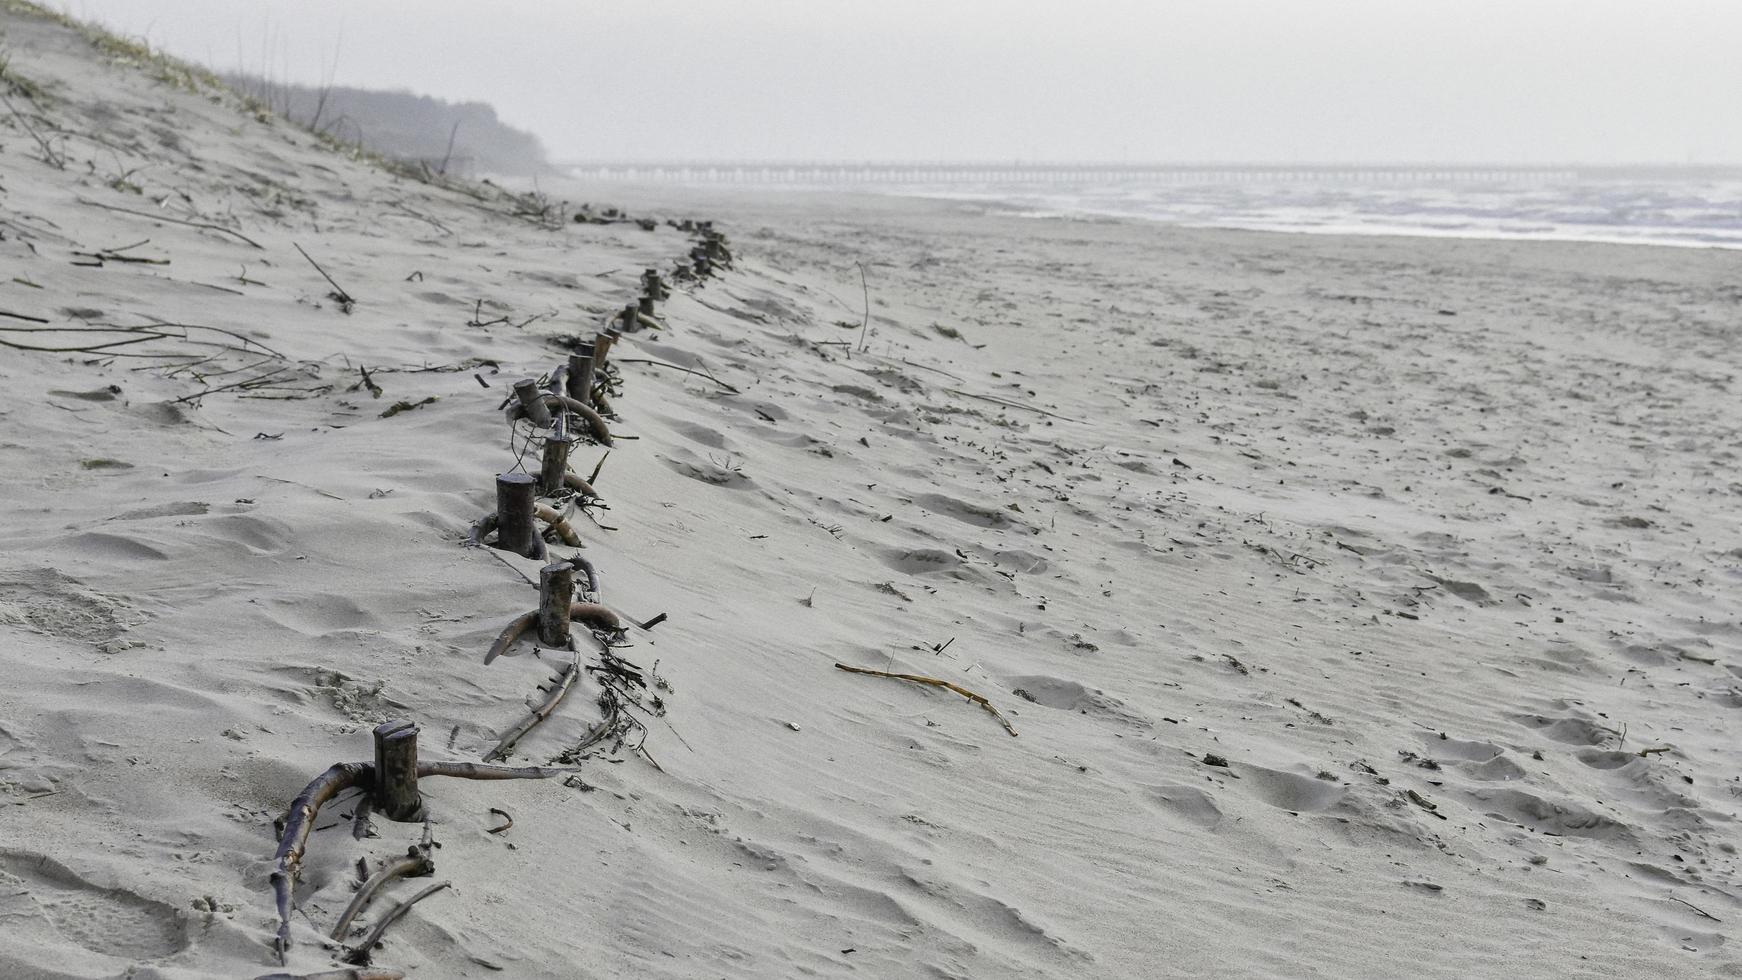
1359	603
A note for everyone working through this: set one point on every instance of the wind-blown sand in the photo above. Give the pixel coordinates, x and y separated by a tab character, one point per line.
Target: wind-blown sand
1361	604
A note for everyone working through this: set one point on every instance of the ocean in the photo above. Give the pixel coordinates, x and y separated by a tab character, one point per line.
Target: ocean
1679	212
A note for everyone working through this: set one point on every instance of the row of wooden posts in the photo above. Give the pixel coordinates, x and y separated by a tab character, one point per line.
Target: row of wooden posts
575	398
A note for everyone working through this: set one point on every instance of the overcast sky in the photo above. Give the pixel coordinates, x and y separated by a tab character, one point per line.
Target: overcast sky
1162	80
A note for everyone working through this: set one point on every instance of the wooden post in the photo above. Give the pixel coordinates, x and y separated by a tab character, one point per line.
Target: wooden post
626	321
580	376
602	350
646	304
556	592
396	796
532	399
515	530
556	464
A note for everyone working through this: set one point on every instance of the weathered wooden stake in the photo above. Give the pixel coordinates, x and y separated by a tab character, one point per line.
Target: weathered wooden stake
532	399
396	795
626	321
602	350
580	376
556	591
515	530
646	306
556	464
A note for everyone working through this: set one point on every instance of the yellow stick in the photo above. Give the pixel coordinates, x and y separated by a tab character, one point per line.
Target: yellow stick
934	682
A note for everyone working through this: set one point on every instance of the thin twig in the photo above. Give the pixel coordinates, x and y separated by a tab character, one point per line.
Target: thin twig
417	862
345	300
360	954
174	221
1010	404
537	715
934	682
704	373
866	323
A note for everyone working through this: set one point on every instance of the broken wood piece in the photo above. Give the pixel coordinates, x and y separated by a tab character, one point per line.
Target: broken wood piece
565	531
556	592
418	862
361	952
648	321
395	792
504	814
537	715
580	486
935	682
511	635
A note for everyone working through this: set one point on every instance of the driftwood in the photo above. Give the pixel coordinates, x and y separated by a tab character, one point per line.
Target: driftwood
934	682
538	714
580	486
359	954
564	531
595	422
593	615
299	819
418	862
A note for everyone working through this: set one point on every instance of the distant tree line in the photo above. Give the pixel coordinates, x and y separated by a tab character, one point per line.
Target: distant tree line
458	138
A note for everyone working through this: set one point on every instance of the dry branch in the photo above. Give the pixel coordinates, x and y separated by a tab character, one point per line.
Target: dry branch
360	954
175	221
934	682
678	367
539	714
417	863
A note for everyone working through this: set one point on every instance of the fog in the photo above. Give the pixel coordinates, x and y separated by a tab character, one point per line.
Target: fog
1230	80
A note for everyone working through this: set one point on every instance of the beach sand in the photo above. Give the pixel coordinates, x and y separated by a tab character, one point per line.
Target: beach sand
1360	603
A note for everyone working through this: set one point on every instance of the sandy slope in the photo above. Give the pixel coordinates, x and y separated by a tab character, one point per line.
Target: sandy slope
1425	539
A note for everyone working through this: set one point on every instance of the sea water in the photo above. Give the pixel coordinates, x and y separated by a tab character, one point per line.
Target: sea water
1684	212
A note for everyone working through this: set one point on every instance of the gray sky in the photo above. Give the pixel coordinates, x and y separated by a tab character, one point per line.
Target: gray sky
1163	80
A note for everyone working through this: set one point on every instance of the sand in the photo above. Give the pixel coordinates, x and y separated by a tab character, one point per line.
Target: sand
1360	603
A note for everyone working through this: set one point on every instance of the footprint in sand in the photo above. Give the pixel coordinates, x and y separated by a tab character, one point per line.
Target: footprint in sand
111	921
